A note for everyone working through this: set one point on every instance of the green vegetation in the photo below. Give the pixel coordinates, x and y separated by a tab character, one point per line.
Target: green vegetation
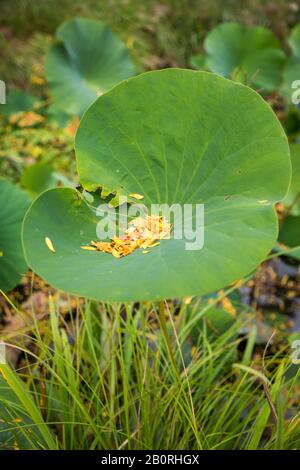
151	345
13	205
96	384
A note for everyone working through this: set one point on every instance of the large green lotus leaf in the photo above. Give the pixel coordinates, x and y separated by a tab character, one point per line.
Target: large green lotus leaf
251	53
173	136
13	205
86	60
292	199
292	67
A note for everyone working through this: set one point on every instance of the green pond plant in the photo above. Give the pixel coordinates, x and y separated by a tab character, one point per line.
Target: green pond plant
290	233
290	227
17	101
292	199
250	54
253	55
291	72
38	177
86	60
173	136
13	205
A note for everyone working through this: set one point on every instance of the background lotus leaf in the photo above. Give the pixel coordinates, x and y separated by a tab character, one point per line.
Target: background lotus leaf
250	54
290	230
86	60
292	199
292	67
17	101
13	204
290	234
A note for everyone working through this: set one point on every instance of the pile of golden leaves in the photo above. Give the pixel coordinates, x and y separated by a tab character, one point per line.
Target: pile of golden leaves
141	233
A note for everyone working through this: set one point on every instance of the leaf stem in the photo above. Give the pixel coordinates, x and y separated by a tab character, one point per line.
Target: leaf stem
163	323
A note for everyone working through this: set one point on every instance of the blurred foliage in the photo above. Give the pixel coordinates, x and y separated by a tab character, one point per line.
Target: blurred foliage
28	138
158	33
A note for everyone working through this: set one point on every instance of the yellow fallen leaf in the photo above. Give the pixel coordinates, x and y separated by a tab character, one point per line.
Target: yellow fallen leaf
115	253
89	248
130	41
37	80
36	151
49	244
227	305
18	420
136	196
72	126
153	244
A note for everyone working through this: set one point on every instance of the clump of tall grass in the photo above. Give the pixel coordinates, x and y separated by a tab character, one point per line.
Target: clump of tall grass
147	377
